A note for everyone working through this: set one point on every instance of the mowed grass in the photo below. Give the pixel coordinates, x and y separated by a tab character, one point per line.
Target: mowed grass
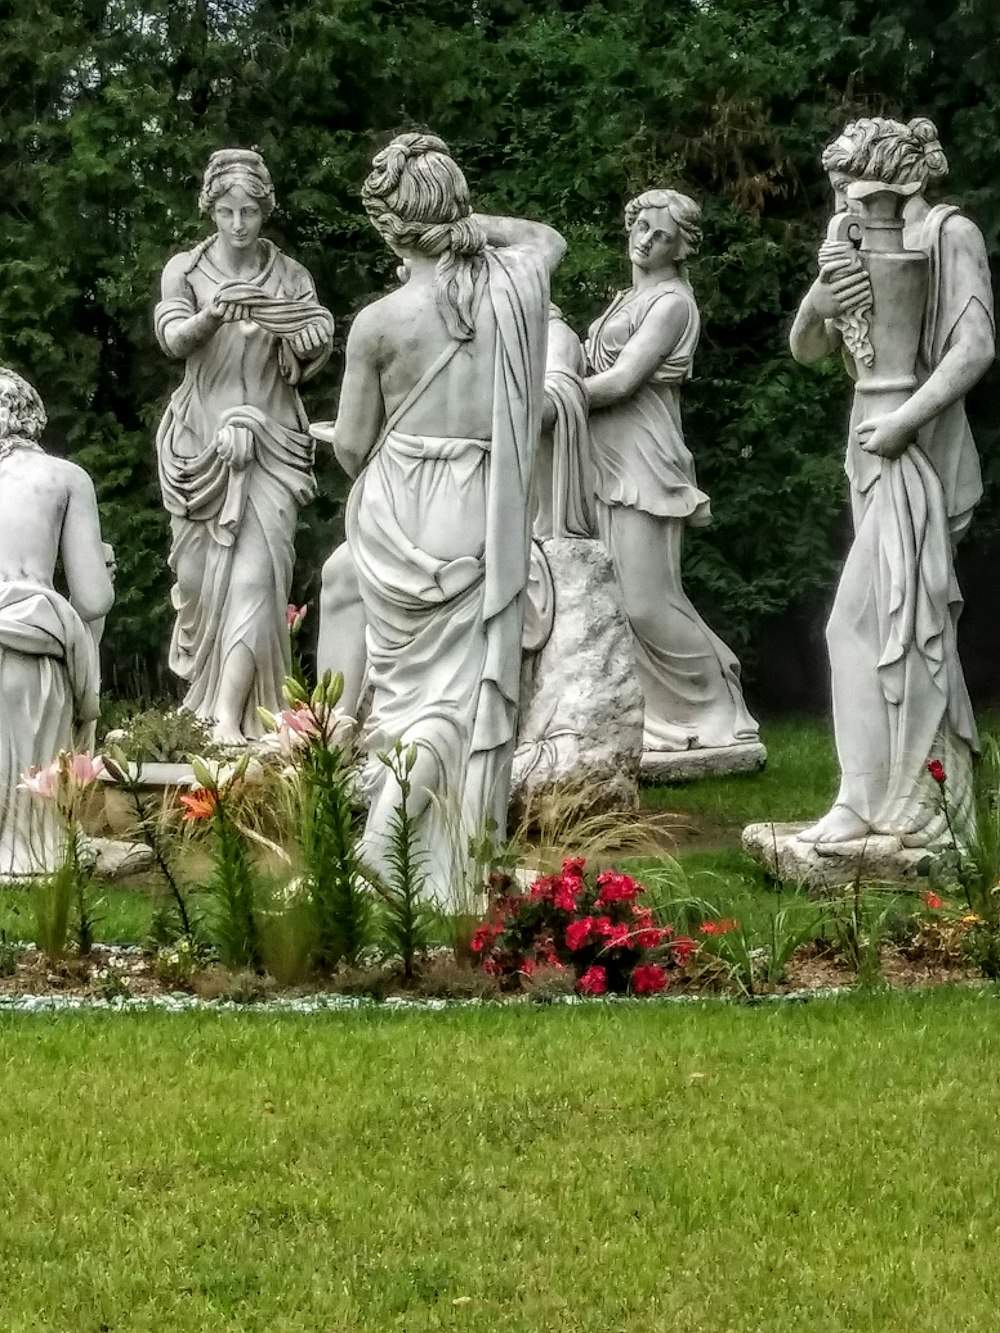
798	783
823	1168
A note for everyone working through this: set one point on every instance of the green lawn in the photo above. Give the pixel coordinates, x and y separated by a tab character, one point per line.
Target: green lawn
799	783
828	1168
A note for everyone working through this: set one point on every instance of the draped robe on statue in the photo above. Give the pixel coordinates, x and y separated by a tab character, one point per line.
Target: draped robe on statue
233	519
444	631
647	494
899	695
49	665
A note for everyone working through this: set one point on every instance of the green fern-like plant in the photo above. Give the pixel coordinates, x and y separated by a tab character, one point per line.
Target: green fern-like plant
406	917
332	869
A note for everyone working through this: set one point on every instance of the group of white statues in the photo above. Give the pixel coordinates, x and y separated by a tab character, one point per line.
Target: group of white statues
470	420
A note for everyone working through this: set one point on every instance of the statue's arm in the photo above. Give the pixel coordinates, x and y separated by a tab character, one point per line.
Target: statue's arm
843	284
538	237
970	353
643	354
179	334
83	554
813	335
316	339
361	411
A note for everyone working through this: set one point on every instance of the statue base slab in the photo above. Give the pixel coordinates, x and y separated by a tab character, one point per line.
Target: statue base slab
879	858
112	858
687	765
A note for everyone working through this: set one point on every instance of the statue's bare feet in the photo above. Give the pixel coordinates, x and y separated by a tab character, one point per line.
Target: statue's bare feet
228	733
841	824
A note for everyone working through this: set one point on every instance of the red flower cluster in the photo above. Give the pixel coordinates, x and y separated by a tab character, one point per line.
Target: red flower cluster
936	769
648	978
594	981
932	901
597	929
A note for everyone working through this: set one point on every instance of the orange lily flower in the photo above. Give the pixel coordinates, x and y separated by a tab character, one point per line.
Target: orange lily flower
199	804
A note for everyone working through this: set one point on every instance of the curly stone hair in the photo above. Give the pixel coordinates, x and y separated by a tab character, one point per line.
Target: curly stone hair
418	199
237	166
22	415
878	149
684	211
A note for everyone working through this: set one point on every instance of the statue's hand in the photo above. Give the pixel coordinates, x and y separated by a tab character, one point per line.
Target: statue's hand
888	436
839	255
548	413
834	296
225	309
308	342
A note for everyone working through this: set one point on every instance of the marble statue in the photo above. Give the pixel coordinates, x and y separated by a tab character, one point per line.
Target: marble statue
235	456
579	735
639	353
439	418
911	312
564	474
49	670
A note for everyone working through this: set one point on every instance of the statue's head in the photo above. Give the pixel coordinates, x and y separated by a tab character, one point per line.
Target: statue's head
664	227
878	149
418	201
22	415
238	194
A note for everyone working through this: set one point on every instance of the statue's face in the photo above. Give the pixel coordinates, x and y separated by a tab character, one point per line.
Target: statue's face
653	240
839	181
238	217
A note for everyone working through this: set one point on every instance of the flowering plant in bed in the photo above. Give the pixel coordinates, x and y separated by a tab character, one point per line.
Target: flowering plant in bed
595	927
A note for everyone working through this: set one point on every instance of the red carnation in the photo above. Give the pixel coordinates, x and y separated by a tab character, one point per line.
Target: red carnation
573	867
578	933
684	947
483	937
594	981
648	979
936	769
619	937
649	936
567	891
616	888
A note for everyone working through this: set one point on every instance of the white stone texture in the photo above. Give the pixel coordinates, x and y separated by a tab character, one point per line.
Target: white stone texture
582	708
115	858
438	423
879	858
49	669
235	457
646	485
687	765
911	310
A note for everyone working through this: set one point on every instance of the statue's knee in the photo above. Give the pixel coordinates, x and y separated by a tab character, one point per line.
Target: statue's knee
339	579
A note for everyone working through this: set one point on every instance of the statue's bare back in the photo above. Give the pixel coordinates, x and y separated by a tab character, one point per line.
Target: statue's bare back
412	337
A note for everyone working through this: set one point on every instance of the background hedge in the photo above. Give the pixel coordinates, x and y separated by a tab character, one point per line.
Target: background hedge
556	109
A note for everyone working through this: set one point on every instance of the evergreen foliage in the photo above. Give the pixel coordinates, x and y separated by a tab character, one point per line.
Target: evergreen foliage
561	110
406	916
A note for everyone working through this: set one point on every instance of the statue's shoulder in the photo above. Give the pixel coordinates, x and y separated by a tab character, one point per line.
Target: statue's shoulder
75	477
291	270
180	265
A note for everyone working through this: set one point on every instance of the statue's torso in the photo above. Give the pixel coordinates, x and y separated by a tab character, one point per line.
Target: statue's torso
458	401
33	498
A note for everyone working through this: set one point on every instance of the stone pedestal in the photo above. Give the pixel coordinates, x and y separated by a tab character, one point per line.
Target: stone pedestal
686	765
876	859
581	704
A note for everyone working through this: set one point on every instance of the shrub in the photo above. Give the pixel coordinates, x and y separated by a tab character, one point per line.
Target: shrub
595	929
